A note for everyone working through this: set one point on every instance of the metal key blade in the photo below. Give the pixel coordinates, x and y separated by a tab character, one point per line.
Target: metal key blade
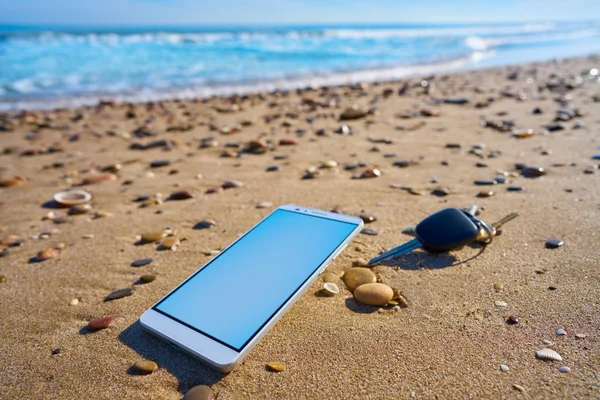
397	251
508	218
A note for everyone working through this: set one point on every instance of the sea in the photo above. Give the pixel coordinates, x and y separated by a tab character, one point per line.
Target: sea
45	67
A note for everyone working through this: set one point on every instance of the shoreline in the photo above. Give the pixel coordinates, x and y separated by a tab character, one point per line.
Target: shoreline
474	318
380	76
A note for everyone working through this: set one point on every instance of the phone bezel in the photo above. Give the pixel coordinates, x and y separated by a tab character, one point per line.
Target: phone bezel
214	353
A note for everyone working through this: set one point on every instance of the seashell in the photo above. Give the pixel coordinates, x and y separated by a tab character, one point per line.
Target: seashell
370	173
504	368
560	332
275	366
79	209
580	335
548	354
98	178
16	181
70	198
152	236
500	304
522	133
330	288
170	243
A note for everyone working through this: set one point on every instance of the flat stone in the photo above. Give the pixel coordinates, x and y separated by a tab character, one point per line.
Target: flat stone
205	224
500	304
370	232
231	184
141	263
441	191
358	276
99	178
200	392
117	294
565	370
181	195
153	236
515	188
273	168
374	294
147	278
554	243
533	172
101	323
289	142
47	254
486	182
160	163
485	193
264	204
275	366
145	366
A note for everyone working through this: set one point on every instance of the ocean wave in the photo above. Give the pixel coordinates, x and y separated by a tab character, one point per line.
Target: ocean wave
480	44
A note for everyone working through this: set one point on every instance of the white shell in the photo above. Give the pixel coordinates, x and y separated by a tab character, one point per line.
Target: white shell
504	368
565	370
500	304
560	332
548	354
72	197
548	342
331	288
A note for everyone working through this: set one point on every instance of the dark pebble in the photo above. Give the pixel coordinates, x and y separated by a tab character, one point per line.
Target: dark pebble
367	219
485	193
501	180
512	320
201	392
551	288
142	262
533	172
160	163
371	232
405	163
117	294
486	182
181	195
481	165
515	188
440	191
273	168
141	198
554	243
55	352
453	145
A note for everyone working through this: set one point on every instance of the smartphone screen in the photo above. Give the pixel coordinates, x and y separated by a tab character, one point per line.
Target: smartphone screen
239	291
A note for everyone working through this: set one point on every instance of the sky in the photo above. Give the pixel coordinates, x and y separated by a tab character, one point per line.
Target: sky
219	12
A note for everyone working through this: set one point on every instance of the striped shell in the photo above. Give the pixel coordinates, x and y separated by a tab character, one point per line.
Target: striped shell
548	354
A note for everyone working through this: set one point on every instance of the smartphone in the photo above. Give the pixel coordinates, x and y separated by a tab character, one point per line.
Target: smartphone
223	310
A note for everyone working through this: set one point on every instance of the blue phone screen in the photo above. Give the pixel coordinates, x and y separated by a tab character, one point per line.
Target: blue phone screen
238	292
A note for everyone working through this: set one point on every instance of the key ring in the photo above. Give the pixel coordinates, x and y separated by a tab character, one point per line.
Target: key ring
483	225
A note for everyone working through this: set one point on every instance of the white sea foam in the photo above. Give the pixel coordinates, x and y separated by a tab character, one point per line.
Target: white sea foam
478	43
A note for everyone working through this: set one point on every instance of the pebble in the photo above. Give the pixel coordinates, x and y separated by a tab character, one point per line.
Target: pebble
405	163
145	366
160	163
577	335
374	294
565	370
370	173
554	243
560	332
367	219
486	182
518	387
101	323
47	254
515	188
275	366
441	191
205	224
357	276
171	243
272	168
548	342
370	232
354	112
361	262
548	354
141	263
512	320
485	193
79	209
533	172
200	392
504	368
330	164
330	277
498	287
500	304
289	142
147	278
118	294
181	195
331	288
2	278
264	204
16	181
231	184
99	178
153	236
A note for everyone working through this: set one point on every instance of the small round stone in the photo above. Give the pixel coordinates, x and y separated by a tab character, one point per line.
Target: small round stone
141	263
498	287
145	366
357	276
275	366
101	323
485	193
554	243
74	302
153	236
2	278
200	392
374	294
147	278
565	370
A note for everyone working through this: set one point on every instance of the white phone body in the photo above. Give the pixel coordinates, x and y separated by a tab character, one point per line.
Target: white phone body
214	353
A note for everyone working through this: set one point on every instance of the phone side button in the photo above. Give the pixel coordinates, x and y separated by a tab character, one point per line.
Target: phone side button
337	253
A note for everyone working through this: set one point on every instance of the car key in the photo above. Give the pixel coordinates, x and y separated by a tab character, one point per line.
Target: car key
441	232
411	230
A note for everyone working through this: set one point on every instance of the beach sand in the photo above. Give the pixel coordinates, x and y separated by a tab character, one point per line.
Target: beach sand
448	343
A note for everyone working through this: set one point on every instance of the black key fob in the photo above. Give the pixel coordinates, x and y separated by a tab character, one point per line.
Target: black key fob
446	230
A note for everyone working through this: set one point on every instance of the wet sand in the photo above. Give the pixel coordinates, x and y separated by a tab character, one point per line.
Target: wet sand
451	339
